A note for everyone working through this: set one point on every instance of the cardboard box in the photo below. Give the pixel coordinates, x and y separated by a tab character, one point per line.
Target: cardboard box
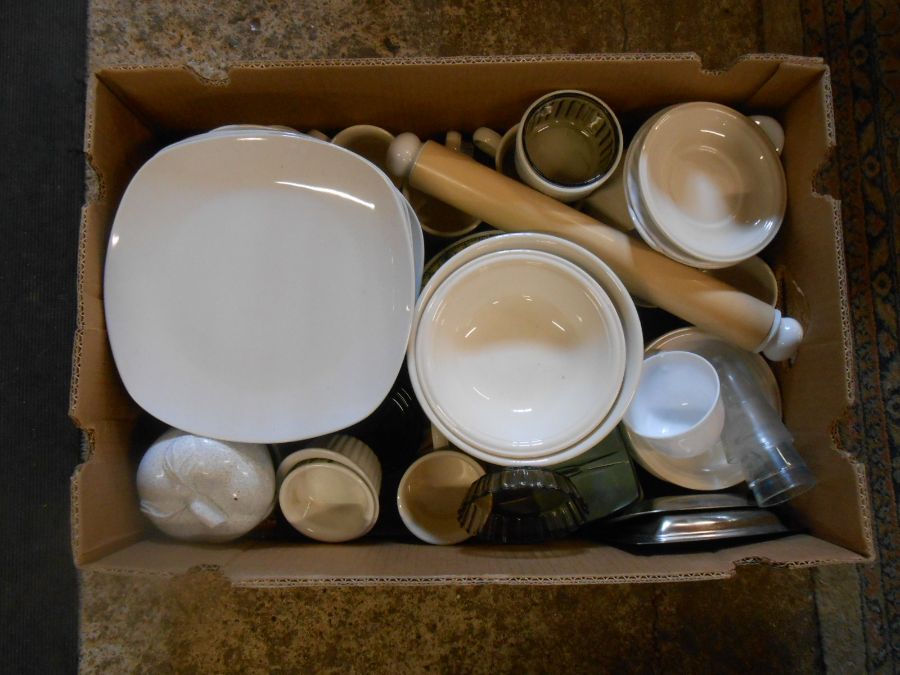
132	113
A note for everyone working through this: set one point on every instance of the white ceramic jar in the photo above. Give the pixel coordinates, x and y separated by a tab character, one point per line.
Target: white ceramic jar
200	489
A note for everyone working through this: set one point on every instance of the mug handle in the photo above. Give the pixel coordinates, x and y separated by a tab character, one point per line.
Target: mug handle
453	140
772	129
438	440
318	135
609	203
487	140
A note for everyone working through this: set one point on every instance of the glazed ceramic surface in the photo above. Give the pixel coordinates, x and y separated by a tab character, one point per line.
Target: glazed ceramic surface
366	141
341	449
500	148
431	492
442	256
242	273
520	353
677	407
712	182
417	240
567	144
624	307
242	130
708	471
328	501
201	489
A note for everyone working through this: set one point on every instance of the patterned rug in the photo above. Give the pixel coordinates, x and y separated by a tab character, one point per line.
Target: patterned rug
860	40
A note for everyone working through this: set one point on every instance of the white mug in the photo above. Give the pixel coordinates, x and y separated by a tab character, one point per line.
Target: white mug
500	148
677	408
431	493
367	141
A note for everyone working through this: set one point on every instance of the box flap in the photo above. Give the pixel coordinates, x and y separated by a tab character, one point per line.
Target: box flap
116	142
456	93
97	393
788	80
376	563
105	514
809	250
158	558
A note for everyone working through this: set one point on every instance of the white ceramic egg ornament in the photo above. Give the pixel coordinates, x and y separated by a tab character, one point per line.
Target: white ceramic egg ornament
200	489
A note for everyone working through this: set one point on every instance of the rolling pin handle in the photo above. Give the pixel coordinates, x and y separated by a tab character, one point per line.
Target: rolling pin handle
784	340
403	153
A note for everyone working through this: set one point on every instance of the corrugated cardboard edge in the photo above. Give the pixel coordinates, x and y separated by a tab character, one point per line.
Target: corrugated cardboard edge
473	59
837	220
322	581
865	502
582	580
850	374
311	564
482	581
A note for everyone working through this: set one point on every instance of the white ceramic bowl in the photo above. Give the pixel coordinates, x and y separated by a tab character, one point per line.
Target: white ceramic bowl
712	182
613	287
640	217
242	271
431	492
520	353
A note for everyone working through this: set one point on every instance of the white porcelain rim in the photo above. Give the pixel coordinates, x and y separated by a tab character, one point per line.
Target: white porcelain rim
649	458
610	316
779	184
562	192
601	272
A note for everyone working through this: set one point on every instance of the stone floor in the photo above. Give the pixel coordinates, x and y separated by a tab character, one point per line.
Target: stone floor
773	619
764	620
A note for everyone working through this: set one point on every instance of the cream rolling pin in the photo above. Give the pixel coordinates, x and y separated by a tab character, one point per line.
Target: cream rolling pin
509	205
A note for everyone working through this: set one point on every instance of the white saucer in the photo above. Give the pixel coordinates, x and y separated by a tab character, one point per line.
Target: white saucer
708	471
259	288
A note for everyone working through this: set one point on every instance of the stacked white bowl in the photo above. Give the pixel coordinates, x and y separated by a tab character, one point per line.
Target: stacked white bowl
705	185
525	350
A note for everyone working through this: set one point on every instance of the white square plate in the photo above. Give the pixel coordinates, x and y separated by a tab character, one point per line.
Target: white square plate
259	287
